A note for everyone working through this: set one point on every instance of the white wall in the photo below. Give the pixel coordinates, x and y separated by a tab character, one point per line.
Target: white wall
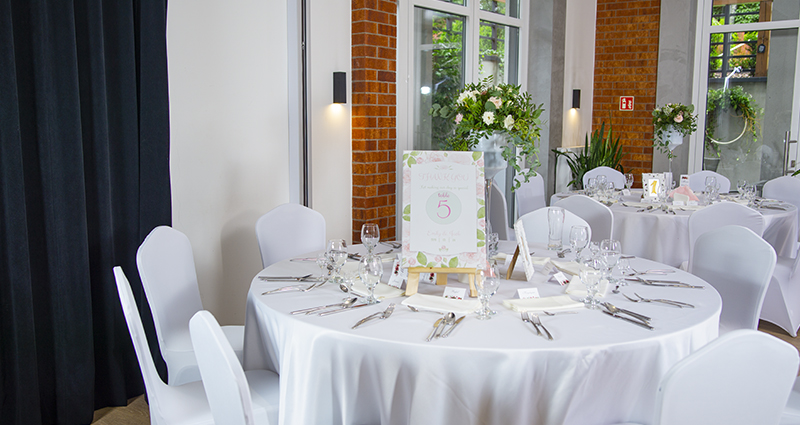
229	124
578	69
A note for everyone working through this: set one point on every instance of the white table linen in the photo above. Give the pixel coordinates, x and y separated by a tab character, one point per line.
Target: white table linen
597	370
664	237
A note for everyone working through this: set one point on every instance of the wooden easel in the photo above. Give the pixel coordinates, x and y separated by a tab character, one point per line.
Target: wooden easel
441	278
512	264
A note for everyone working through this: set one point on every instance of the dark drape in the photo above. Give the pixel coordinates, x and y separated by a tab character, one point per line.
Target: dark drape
84	176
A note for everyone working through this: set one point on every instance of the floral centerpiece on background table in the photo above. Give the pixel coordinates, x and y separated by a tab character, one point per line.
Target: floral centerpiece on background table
484	111
672	122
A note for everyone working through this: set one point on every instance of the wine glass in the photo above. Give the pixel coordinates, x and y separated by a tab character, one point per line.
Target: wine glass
590	186
628	181
325	266
740	185
578	238
487	284
371	270
610	252
370	236
337	255
591	278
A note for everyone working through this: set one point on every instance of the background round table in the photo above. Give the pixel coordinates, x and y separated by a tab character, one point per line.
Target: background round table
599	369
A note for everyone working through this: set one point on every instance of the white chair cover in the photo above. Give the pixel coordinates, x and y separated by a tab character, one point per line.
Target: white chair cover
229	388
791	413
599	216
169	405
166	267
739	265
785	189
722	214
498	214
742	378
289	230
537	229
530	196
611	174
697	181
782	302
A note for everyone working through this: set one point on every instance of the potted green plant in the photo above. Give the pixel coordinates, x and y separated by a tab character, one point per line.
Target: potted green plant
596	152
500	120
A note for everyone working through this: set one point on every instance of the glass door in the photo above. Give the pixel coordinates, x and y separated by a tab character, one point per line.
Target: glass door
748	84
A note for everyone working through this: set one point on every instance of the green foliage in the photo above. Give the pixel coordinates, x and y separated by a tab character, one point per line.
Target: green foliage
599	152
737	102
796	173
672	116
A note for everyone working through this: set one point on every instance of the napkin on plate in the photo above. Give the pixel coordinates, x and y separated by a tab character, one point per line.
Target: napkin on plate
382	290
683	194
577	288
556	303
441	304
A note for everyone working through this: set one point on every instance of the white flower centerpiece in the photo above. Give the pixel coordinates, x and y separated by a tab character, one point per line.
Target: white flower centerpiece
671	123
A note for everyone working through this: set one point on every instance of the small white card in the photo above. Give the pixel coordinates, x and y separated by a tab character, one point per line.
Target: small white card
561	278
398	276
684	180
524	252
455	293
526	293
678	203
692	203
429	278
626	192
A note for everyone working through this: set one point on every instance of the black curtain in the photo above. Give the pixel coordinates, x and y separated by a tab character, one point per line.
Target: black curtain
84	176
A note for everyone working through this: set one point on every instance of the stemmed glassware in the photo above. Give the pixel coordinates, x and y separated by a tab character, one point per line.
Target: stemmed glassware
591	278
370	236
609	253
578	238
487	284
337	255
325	266
628	181
740	185
371	270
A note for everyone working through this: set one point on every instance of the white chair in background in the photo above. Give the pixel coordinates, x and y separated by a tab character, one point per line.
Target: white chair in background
169	404
599	216
782	302
718	215
741	378
498	214
612	175
167	270
537	228
785	189
236	397
289	230
697	181
530	196
739	265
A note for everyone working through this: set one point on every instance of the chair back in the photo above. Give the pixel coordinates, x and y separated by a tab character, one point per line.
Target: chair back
738	263
498	213
223	377
787	189
289	230
741	378
612	175
722	214
537	228
697	181
530	195
599	216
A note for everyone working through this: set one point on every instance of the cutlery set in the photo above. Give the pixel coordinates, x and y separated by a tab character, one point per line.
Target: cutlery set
379	315
664	283
440	327
347	302
537	324
627	315
674	303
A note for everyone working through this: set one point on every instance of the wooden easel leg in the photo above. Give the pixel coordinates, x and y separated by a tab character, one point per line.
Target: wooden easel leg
412	285
473	291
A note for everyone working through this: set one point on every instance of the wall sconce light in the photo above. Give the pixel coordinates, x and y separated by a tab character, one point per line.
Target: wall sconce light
339	87
576	98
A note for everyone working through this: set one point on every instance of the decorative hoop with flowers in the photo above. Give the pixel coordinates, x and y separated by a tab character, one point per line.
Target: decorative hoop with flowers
483	110
669	121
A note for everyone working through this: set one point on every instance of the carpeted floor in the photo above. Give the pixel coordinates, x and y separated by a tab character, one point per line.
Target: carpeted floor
137	413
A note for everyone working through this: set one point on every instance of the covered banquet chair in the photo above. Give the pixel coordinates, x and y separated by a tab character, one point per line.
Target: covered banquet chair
530	195
718	215
697	181
786	189
612	175
287	231
599	216
782	301
536	227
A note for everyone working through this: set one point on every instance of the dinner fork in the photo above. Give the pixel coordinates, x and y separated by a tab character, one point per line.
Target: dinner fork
294	288
661	300
538	322
525	318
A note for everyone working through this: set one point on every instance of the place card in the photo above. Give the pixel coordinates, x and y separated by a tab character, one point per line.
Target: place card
527	293
455	293
561	278
524	252
626	192
692	203
429	278
684	180
678	203
399	274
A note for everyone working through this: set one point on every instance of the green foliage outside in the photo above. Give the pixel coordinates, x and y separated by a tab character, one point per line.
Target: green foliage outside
736	39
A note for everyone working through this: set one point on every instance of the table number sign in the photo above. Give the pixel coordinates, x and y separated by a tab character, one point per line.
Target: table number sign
652	184
444	226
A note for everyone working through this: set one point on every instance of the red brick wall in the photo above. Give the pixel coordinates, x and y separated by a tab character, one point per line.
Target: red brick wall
374	56
626	64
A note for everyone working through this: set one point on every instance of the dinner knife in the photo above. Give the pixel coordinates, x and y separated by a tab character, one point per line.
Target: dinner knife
447	332
339	310
435	327
635	322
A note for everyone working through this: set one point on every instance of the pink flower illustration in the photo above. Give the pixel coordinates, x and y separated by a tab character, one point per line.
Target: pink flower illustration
407	175
438	258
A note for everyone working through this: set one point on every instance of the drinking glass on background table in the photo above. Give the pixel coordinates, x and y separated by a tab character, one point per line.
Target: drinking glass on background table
486	284
370	236
555	221
740	185
371	270
610	251
578	238
628	181
591	278
325	266
337	253
591	182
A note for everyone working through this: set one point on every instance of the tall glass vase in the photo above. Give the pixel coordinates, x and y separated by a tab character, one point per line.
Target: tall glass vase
674	138
492	147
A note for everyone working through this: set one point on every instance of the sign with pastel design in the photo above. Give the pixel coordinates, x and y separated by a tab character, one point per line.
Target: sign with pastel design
444	214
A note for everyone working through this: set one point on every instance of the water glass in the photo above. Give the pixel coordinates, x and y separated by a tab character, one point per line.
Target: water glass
555	221
492	242
591	182
325	266
591	278
740	185
370	269
337	255
610	251
578	238
487	284
370	236
628	181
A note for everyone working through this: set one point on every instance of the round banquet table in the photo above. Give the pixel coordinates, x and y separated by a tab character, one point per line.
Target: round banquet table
663	237
598	369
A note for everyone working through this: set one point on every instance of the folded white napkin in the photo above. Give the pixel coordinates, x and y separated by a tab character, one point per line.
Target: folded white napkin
569	267
382	290
556	303
577	288
441	304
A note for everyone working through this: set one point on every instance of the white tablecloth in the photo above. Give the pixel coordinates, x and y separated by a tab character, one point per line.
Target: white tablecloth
665	237
597	370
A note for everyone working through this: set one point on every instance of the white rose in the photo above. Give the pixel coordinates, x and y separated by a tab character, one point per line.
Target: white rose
488	118
508	123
